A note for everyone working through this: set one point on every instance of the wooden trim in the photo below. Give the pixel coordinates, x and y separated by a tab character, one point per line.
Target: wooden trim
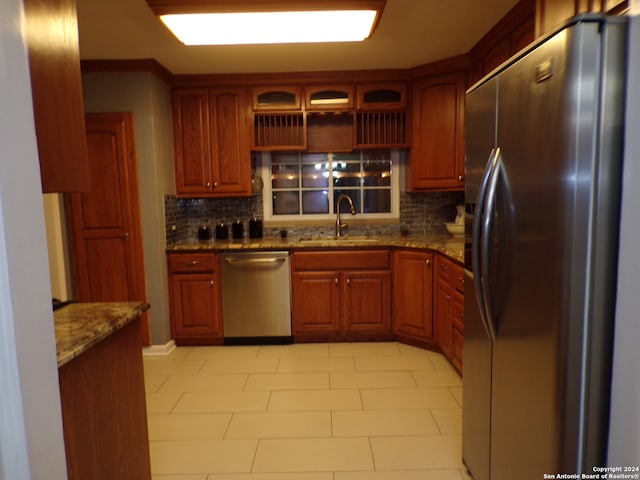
162	7
292	78
458	64
148	65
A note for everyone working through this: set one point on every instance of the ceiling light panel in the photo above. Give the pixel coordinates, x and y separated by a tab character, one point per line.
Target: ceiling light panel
246	22
271	27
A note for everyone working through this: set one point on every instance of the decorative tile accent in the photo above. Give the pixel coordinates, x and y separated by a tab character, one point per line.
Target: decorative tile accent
420	214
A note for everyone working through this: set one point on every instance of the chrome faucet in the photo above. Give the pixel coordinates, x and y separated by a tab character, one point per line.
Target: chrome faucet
339	224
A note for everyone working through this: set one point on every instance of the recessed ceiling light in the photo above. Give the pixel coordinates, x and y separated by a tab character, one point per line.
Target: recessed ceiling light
244	22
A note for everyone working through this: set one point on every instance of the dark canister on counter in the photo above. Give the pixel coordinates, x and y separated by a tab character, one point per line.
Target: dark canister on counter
237	228
222	231
255	228
204	233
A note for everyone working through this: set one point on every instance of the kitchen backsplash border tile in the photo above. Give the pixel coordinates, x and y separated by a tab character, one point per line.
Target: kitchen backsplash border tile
420	214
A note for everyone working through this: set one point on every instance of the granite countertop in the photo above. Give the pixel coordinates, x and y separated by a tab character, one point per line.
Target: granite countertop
79	326
452	247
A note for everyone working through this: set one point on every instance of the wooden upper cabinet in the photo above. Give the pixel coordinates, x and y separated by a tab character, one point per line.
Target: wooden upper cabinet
212	143
273	98
56	84
437	156
329	97
514	31
552	13
382	96
191	141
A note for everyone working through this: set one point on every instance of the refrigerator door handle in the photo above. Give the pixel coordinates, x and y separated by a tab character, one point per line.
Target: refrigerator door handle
485	251
478	221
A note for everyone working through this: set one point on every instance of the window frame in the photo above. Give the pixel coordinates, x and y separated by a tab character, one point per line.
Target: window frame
263	166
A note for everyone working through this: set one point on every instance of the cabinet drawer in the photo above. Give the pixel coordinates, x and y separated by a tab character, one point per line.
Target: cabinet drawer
191	262
342	260
451	272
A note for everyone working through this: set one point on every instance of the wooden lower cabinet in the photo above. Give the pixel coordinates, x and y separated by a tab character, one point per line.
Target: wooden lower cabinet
104	412
413	297
196	300
316	305
448	309
341	295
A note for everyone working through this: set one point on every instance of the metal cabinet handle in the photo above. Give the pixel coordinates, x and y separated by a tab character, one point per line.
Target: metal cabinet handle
348	281
459	178
215	184
211	283
428	262
208	185
335	280
192	263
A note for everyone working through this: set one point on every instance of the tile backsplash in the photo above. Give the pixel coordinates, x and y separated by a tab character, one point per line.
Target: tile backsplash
420	213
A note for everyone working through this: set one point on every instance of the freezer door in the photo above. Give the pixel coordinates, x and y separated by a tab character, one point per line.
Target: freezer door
476	419
476	433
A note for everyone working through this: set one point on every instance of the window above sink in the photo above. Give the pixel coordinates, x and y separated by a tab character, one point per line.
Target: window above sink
303	187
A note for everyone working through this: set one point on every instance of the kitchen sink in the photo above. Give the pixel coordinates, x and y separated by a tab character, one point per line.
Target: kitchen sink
342	239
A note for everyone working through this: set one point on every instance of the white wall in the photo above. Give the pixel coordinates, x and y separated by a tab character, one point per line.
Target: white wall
624	439
57	245
149	99
31	439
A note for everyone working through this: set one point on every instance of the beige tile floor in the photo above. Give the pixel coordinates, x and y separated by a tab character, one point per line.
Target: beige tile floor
344	411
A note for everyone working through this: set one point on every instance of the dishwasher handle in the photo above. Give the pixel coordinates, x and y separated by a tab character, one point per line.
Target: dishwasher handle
254	262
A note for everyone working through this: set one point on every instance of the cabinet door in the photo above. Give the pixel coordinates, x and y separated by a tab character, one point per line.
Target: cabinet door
437	156
191	141
230	149
456	349
329	97
367	304
382	96
56	87
196	308
412	294
443	314
276	97
316	304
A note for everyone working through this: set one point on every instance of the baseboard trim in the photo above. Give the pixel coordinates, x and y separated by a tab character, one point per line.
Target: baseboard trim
155	350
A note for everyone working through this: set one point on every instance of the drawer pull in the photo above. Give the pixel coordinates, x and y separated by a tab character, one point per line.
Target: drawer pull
211	283
192	263
335	280
348	281
428	262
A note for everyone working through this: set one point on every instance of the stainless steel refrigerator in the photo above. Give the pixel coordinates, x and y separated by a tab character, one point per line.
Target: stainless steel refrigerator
544	136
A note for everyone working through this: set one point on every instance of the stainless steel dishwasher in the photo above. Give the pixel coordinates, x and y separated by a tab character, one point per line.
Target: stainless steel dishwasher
256	299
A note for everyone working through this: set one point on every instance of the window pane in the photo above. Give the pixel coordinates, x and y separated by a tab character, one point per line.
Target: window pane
315	201
377	173
316	175
346	174
344	204
285	157
284	176
343	157
377	201
314	158
286	203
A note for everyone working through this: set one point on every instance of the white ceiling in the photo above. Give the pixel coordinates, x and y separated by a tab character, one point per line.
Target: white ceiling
410	33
